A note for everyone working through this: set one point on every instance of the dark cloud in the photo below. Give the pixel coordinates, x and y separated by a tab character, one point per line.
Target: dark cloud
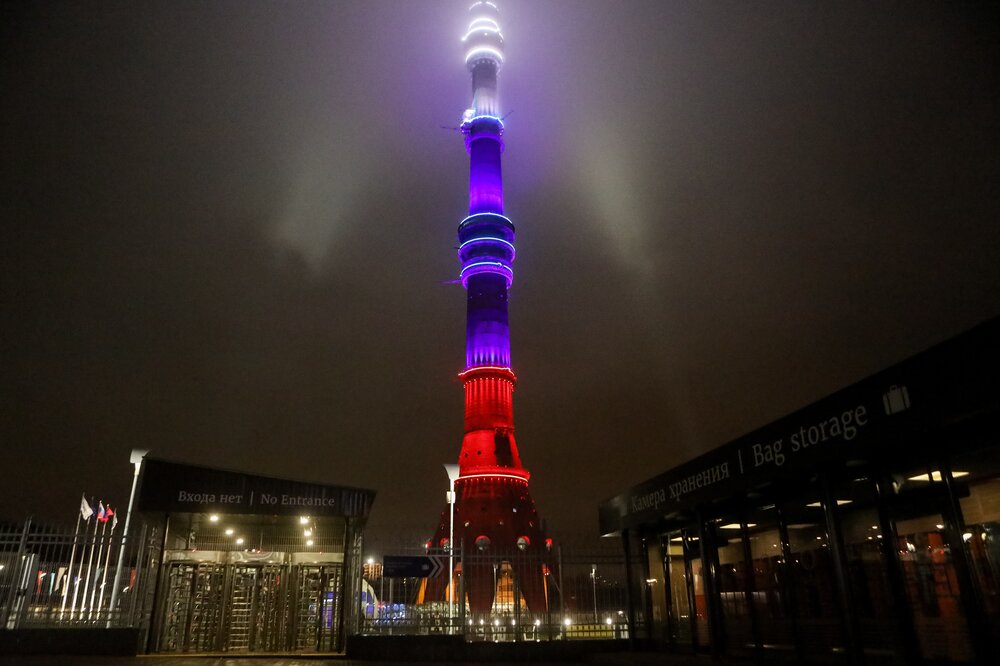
228	229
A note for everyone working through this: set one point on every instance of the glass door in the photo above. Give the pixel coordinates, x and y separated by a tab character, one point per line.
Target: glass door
867	569
928	567
681	608
932	588
659	594
773	601
694	564
732	583
688	606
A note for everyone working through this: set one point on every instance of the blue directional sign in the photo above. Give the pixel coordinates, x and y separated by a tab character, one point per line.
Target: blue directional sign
412	566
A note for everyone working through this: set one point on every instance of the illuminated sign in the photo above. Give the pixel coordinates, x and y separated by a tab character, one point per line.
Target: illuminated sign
171	487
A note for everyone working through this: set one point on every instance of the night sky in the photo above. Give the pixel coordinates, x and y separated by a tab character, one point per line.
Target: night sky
229	231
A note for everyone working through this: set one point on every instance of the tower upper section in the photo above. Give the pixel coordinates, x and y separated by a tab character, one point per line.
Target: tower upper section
484	57
486	236
481	122
486	252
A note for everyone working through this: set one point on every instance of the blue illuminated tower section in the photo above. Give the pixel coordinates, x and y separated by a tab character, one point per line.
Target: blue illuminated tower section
495	516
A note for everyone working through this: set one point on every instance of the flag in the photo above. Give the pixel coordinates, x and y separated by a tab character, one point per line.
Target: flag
114	522
102	514
85	511
109	514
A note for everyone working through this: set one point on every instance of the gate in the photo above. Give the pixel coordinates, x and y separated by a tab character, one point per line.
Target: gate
246	602
193	607
318	608
256	608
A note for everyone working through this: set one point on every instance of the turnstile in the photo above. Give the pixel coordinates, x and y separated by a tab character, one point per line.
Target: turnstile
193	607
256	608
214	604
318	608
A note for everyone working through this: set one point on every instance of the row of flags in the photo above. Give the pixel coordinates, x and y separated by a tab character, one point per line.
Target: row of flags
104	514
95	578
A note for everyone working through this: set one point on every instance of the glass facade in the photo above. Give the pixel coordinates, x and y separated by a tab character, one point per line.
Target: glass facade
980	510
811	578
862	529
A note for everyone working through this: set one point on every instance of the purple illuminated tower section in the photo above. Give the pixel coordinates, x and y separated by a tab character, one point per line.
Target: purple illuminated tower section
495	517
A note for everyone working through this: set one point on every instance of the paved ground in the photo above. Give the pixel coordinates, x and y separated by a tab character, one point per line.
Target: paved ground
615	659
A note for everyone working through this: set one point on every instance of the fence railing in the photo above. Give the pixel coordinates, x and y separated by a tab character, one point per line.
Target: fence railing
54	576
585	597
51	577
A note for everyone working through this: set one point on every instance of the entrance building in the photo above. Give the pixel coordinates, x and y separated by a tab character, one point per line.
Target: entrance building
864	528
251	563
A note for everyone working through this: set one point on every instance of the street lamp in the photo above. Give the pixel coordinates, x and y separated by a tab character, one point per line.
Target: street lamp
593	578
136	459
452	471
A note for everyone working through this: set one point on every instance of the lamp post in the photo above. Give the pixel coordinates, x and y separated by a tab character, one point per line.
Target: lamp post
452	471
136	459
593	579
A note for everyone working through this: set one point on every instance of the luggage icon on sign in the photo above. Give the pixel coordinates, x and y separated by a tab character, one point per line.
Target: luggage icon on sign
896	400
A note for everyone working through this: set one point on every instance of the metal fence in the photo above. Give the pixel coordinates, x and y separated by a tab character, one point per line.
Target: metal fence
586	597
53	576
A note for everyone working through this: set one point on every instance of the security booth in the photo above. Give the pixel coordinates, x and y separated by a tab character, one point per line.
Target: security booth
864	528
251	563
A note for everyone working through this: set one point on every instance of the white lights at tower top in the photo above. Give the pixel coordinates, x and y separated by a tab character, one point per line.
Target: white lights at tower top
483	37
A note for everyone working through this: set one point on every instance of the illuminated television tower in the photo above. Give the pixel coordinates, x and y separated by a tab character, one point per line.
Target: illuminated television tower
495	517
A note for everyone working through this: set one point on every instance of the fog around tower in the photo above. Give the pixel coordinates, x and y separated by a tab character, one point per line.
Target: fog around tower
230	229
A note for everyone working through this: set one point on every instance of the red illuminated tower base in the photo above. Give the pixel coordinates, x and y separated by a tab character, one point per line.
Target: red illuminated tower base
486	508
495	517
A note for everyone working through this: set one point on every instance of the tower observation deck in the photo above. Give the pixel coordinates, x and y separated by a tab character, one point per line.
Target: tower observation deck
495	516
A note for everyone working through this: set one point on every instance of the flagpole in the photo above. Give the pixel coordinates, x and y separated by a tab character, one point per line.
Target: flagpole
79	573
93	590
72	556
107	560
136	459
90	563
